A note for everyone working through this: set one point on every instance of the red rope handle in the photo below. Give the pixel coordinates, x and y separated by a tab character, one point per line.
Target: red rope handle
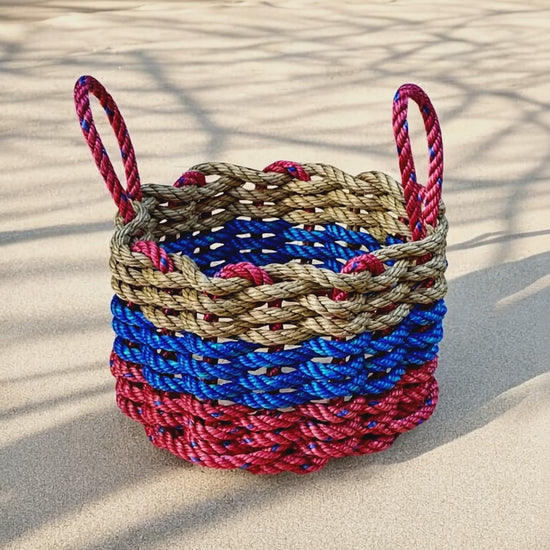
422	203
85	86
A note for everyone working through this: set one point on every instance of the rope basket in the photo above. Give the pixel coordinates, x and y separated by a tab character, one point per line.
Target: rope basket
273	319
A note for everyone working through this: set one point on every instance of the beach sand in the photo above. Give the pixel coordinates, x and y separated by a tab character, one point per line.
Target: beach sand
251	82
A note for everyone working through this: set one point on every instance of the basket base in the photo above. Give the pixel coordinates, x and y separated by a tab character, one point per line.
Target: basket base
271	441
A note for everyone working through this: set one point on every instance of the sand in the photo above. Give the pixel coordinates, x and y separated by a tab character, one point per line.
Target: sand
251	82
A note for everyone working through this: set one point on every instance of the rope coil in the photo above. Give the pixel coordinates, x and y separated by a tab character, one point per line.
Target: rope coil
273	319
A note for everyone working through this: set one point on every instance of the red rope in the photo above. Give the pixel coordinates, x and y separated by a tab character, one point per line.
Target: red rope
191	177
363	262
295	169
156	254
422	203
269	441
85	86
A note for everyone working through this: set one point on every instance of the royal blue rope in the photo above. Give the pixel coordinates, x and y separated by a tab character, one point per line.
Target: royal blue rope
366	342
186	364
243	241
412	342
280	230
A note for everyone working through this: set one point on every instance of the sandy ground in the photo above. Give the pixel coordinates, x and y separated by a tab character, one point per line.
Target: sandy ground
251	82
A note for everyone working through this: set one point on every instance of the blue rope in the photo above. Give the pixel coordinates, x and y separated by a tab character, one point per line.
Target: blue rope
242	241
413	342
147	333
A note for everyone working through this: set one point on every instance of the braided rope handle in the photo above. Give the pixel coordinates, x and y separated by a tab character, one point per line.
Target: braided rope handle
422	203
85	86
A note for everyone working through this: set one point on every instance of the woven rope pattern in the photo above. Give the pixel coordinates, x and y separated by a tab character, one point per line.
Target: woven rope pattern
300	441
368	363
272	319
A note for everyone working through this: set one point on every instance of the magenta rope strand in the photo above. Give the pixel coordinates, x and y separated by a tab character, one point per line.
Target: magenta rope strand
85	86
422	203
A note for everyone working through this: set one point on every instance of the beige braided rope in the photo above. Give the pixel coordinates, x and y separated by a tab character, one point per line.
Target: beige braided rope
371	201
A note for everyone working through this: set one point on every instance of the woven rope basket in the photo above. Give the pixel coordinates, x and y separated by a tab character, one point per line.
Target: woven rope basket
273	319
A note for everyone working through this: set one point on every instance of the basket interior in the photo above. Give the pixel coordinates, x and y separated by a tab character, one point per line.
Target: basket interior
324	222
266	242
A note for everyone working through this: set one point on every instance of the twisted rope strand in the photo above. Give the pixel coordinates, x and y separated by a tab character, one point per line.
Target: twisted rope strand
422	204
85	86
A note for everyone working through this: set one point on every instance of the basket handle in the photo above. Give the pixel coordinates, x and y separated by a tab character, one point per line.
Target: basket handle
85	86
422	203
